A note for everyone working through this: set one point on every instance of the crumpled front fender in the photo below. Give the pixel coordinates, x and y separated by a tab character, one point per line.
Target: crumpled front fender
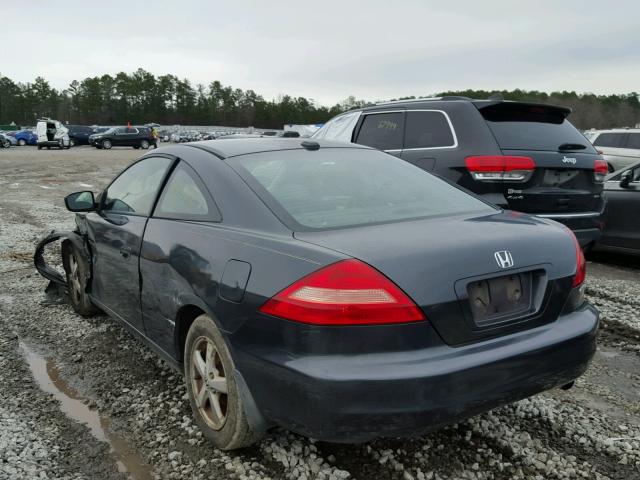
38	258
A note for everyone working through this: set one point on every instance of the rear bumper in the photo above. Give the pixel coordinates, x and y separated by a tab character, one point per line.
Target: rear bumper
354	398
586	226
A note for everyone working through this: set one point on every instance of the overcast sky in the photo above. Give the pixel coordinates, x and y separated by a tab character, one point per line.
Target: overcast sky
327	50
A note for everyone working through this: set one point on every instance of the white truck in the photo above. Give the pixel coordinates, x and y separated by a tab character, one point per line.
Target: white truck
52	133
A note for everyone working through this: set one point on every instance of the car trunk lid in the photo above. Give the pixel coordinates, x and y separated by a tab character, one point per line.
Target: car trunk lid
442	264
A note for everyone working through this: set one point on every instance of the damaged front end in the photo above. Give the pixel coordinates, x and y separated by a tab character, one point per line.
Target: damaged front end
57	289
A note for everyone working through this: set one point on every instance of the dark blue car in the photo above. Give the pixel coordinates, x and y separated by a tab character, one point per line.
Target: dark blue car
26	137
327	288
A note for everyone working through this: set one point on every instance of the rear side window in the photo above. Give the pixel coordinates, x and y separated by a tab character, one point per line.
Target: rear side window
344	187
633	141
526	127
428	129
383	131
610	140
185	198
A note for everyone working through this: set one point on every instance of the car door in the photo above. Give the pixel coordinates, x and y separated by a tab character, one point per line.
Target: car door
119	137
427	133
622	221
171	258
383	130
131	138
115	234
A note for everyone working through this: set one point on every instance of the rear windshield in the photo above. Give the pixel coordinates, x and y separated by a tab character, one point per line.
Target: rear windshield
521	127
343	187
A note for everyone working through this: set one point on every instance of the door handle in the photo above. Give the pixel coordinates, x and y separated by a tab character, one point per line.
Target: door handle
125	251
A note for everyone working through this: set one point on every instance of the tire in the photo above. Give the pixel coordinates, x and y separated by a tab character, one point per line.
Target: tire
106	144
136	147
76	269
39	147
144	144
6	144
61	144
72	143
22	142
228	429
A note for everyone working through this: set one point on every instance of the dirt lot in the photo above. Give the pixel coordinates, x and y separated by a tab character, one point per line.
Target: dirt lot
83	399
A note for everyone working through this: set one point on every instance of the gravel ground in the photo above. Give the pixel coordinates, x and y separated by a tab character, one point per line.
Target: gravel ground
138	424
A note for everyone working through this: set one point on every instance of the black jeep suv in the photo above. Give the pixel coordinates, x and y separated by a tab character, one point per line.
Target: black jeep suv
136	137
520	156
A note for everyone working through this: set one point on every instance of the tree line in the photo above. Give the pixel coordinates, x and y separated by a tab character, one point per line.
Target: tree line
141	97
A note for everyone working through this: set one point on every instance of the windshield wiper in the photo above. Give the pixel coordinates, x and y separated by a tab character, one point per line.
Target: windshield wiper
571	146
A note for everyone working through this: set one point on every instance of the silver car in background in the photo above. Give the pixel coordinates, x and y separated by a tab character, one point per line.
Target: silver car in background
620	147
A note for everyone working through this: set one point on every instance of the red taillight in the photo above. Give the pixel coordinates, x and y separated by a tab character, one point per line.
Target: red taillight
348	292
581	264
492	168
600	170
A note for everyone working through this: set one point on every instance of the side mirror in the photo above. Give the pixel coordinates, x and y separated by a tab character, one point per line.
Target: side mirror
626	178
80	202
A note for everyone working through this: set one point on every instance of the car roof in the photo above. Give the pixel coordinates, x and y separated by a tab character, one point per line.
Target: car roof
442	101
233	147
615	130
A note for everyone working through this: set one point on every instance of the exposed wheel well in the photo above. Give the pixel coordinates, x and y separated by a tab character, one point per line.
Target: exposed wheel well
186	315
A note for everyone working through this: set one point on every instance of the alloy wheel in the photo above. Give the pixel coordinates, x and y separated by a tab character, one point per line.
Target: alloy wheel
75	287
209	383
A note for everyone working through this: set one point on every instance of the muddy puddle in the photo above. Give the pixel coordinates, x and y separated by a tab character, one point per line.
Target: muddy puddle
49	380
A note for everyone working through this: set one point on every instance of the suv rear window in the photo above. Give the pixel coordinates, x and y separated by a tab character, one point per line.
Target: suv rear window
610	140
383	131
532	127
336	187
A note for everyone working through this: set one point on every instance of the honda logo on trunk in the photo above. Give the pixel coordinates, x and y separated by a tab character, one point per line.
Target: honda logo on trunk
504	259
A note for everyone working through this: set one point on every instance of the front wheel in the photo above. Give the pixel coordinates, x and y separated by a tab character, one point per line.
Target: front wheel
106	144
144	144
213	393
77	269
6	144
22	142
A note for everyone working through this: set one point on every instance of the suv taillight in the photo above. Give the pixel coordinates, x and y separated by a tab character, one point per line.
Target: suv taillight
500	168
600	170
348	292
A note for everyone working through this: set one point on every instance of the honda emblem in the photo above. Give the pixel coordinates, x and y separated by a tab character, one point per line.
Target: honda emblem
504	259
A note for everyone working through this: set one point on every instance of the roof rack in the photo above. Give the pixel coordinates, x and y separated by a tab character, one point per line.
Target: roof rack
425	99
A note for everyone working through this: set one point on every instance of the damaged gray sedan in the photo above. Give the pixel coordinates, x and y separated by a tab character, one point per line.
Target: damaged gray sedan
327	288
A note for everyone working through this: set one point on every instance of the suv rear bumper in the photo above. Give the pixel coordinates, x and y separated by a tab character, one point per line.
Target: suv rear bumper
585	225
354	398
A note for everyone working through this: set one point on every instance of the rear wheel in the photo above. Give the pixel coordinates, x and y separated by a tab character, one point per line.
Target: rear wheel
39	147
76	269
106	144
144	144
22	142
213	393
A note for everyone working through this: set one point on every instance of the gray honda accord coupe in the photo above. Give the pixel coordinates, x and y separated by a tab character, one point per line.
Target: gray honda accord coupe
327	288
